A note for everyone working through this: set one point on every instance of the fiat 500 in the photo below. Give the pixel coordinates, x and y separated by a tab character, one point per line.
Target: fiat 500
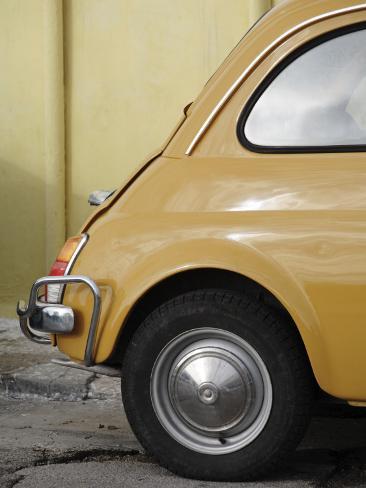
225	281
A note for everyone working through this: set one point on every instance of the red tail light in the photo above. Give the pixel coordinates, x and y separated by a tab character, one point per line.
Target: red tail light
63	265
58	268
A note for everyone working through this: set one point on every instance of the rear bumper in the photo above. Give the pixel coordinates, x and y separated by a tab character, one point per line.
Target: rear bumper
46	318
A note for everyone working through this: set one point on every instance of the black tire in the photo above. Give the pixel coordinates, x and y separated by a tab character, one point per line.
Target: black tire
280	349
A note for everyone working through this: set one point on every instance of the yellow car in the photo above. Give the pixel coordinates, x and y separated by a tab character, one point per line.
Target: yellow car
225	281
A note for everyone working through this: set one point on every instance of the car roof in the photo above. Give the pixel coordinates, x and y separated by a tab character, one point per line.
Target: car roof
284	17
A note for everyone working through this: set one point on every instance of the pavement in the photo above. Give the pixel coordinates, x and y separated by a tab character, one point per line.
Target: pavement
26	369
62	427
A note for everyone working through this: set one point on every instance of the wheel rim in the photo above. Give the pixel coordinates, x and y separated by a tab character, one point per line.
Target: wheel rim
211	391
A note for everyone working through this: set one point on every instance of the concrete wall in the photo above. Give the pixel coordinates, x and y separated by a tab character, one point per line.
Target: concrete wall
87	89
23	132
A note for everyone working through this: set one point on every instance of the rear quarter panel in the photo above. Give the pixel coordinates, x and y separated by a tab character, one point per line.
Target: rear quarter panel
276	224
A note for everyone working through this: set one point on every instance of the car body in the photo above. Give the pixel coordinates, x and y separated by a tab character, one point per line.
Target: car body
221	205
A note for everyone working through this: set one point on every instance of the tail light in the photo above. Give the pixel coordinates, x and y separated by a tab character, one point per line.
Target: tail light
63	264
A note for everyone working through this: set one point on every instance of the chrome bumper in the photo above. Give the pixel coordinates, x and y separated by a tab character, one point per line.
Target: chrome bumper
55	318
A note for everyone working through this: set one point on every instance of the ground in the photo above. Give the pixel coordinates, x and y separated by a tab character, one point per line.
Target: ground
51	443
67	428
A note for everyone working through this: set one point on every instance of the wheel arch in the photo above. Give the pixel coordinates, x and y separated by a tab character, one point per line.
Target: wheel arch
195	279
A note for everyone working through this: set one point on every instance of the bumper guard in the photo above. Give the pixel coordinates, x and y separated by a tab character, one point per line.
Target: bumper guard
57	318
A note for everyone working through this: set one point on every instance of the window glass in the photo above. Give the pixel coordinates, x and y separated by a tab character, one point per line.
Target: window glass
318	100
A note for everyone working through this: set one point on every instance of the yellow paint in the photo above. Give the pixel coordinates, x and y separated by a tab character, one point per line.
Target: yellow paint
129	68
293	223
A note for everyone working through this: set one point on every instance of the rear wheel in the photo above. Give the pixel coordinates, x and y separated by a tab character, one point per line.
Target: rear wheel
216	387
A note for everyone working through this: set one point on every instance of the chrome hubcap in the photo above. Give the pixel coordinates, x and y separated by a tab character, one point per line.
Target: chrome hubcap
213	377
211	391
208	393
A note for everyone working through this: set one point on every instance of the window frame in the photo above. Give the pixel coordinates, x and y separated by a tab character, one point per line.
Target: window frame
269	79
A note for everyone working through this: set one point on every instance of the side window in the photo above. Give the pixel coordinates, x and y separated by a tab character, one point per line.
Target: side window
316	101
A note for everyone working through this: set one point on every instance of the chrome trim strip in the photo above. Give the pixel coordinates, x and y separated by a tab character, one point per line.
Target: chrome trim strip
83	241
252	65
24	312
99	369
80	246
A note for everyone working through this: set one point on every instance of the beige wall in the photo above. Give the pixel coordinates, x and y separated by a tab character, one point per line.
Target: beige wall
129	67
22	165
134	65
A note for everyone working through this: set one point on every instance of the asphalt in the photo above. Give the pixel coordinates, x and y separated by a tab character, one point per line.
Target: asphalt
50	444
26	370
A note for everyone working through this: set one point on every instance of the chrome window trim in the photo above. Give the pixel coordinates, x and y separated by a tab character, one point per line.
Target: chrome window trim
255	62
270	79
